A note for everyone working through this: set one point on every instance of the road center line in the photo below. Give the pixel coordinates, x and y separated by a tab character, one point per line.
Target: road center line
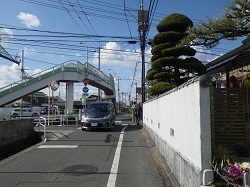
114	168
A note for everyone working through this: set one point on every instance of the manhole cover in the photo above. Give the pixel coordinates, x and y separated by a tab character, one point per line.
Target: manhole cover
79	170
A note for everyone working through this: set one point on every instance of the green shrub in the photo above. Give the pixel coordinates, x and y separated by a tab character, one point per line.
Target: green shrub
222	157
160	88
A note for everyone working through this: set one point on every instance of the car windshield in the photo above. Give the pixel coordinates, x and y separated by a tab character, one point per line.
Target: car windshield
97	110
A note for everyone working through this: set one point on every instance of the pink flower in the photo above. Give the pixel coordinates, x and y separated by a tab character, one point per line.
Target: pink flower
235	171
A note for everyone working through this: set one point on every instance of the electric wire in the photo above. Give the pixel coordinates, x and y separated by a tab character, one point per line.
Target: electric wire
71	16
101	9
72	6
128	23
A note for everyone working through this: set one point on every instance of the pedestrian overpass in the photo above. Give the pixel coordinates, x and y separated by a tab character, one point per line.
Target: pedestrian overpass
69	72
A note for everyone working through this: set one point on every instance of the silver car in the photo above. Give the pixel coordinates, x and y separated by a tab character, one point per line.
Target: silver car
25	112
99	115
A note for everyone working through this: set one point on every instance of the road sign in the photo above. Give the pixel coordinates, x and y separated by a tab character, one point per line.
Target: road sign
85	89
85	82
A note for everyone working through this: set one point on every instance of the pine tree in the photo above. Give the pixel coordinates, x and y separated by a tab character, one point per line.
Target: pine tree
172	62
233	23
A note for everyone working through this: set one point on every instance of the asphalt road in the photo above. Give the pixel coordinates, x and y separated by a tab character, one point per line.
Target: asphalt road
123	157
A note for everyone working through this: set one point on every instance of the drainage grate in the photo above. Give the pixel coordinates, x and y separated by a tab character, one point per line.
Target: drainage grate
79	170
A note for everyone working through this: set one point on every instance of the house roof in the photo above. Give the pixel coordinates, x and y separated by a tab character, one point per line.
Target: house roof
236	58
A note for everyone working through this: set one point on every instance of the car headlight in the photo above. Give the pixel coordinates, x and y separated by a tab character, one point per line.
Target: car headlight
84	119
106	117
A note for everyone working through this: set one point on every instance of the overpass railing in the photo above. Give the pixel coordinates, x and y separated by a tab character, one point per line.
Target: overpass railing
69	66
99	74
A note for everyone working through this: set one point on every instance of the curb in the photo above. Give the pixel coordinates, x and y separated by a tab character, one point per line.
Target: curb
160	162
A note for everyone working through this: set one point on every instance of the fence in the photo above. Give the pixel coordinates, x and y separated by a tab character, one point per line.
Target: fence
229	111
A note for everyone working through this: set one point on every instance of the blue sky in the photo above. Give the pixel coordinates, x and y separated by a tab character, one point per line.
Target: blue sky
39	28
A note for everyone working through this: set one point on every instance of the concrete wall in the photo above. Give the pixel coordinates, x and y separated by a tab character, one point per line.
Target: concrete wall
16	135
179	124
5	113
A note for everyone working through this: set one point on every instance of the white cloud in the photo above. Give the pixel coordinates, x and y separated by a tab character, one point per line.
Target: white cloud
48	54
9	74
5	35
28	52
111	54
78	54
6	31
29	20
112	45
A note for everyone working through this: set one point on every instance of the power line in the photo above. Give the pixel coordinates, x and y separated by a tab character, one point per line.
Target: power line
62	34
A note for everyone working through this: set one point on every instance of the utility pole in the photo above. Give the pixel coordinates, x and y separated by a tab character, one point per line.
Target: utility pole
99	68
143	20
22	69
135	92
22	77
122	101
118	95
125	99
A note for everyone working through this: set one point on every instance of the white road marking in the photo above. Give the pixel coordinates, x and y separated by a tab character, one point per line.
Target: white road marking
58	146
115	122
114	168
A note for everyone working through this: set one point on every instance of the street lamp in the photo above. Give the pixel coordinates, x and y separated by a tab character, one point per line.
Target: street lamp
87	50
87	56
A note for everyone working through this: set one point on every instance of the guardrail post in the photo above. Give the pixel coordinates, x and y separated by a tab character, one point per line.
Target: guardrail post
246	179
44	119
45	133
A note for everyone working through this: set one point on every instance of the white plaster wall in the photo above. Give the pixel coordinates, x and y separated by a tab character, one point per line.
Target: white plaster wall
182	119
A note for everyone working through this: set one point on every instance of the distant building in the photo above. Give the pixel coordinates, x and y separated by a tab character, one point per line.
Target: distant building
40	99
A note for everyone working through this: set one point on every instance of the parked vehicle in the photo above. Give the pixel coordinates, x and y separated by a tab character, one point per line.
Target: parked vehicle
25	112
99	115
45	111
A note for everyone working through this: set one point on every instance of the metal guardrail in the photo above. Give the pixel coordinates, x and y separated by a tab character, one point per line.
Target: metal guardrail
44	125
246	179
58	120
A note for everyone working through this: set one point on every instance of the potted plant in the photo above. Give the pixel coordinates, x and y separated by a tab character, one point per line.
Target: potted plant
222	157
234	174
